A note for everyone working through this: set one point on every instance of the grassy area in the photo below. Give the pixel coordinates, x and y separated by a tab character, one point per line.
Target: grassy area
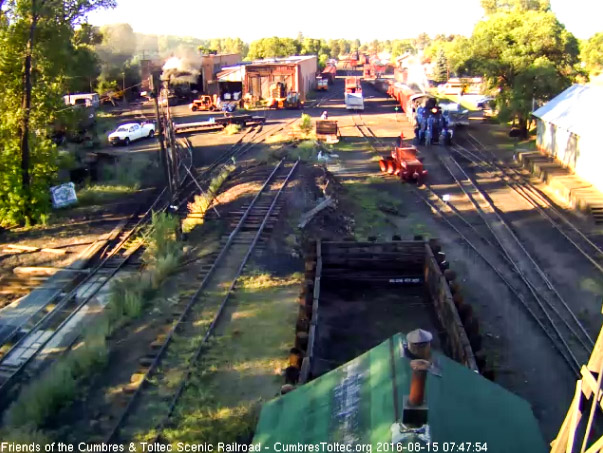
347	145
240	369
202	202
102	193
369	203
116	180
42	399
305	150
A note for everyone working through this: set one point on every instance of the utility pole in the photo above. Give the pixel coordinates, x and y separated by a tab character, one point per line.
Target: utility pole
161	136
123	86
172	154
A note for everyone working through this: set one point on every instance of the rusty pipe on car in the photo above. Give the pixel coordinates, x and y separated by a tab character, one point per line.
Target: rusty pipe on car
417	381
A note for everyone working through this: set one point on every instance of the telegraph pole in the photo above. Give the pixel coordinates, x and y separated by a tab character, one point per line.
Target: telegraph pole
161	137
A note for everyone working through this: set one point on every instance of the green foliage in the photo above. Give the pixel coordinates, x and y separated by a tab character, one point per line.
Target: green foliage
59	57
441	67
591	53
525	55
201	203
495	6
43	398
232	129
162	237
305	123
273	47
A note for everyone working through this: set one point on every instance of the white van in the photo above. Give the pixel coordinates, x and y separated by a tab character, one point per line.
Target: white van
89	99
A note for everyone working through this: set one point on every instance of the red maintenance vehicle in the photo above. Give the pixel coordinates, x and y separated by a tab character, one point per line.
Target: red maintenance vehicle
404	163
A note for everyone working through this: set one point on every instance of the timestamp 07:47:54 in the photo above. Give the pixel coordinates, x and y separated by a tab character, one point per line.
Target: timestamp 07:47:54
435	447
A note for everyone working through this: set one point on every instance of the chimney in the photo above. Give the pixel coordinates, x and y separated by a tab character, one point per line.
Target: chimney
419	349
419	344
418	378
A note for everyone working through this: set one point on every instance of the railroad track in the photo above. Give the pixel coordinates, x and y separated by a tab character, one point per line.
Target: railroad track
522	186
45	328
254	137
167	369
494	241
537	293
42	331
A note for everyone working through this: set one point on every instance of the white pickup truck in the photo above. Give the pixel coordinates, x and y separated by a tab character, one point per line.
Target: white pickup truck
127	133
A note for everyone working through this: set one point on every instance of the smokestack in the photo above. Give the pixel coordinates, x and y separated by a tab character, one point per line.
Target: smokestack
417	382
419	344
419	350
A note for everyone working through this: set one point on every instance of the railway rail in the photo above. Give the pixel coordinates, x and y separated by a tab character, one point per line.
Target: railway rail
522	186
45	329
548	307
199	317
502	250
254	137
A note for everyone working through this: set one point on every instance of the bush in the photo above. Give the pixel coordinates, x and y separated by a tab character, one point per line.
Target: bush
162	237
201	203
56	388
232	129
306	123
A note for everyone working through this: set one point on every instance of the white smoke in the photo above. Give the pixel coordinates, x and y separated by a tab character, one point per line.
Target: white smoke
416	73
182	68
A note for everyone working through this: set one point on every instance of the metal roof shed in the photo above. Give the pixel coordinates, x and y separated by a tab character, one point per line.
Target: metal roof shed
568	130
362	402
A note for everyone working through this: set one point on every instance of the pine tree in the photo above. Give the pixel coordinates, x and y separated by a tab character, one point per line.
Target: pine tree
440	73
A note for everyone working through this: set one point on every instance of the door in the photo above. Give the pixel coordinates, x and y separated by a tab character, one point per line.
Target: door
136	132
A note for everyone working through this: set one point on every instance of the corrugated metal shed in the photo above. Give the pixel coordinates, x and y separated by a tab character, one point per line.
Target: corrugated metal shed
233	74
360	403
576	109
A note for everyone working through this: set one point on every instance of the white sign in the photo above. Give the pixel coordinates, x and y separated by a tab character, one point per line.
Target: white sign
63	195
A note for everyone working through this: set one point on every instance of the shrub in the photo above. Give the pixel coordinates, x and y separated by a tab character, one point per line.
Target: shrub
306	123
162	236
201	203
57	387
232	129
43	398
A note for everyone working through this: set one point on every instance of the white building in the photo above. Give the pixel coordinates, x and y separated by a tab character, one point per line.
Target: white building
570	130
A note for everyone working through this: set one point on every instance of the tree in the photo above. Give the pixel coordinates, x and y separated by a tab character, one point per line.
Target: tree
526	55
334	49
402	46
496	6
345	47
592	53
422	41
273	47
441	67
39	44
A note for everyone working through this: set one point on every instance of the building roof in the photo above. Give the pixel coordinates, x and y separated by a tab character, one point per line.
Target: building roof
361	401
231	74
293	59
575	109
